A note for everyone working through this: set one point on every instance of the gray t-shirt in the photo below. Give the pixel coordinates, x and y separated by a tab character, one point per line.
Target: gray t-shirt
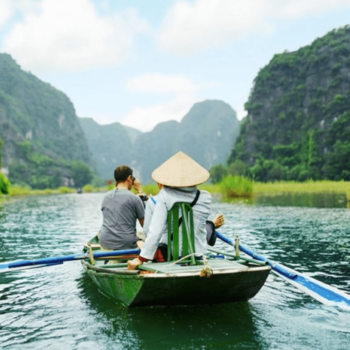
120	209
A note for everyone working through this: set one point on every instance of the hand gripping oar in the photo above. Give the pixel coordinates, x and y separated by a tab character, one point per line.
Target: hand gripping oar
322	292
61	259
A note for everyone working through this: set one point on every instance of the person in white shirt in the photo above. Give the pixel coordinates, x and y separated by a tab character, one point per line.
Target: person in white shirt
211	225
180	176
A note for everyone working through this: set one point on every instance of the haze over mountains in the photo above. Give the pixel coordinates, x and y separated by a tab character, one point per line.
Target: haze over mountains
206	133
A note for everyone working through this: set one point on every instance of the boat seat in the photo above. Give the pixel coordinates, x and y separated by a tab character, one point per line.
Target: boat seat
181	225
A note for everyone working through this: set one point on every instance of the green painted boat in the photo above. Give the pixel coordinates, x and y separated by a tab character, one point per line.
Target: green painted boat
223	280
220	278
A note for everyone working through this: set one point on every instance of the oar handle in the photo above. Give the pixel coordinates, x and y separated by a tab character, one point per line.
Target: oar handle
61	259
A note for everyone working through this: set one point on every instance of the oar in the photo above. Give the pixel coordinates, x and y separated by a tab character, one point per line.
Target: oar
61	259
322	292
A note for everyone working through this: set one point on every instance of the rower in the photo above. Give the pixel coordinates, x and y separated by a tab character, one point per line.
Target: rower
180	176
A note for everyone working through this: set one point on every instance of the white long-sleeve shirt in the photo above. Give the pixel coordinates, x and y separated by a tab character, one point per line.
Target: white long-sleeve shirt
166	198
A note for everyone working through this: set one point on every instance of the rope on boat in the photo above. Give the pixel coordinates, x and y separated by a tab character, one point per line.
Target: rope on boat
205	272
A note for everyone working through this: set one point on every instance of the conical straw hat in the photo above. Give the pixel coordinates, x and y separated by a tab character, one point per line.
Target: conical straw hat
180	171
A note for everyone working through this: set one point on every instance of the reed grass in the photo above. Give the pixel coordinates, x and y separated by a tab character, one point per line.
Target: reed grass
212	188
17	190
236	187
308	186
65	189
150	189
89	189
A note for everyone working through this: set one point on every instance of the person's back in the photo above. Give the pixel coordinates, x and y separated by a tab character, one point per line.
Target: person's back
180	175
201	210
120	209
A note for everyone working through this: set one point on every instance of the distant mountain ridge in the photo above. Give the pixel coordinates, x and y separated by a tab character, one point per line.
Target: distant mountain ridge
206	133
46	145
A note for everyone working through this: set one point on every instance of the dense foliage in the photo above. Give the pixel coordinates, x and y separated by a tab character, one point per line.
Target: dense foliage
298	123
37	118
4	182
40	171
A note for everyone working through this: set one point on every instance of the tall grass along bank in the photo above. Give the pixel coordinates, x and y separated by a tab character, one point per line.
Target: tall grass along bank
308	186
236	186
5	184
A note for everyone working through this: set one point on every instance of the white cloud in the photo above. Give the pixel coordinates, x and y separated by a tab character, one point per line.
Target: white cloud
71	35
160	83
190	27
241	113
183	95
6	11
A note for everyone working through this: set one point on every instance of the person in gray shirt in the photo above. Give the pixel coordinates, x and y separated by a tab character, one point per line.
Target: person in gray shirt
120	209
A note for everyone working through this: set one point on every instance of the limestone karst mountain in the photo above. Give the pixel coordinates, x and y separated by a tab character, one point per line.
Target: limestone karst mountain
207	133
298	123
39	128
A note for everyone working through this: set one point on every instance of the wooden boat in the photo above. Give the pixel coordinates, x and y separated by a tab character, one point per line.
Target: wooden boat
219	278
218	281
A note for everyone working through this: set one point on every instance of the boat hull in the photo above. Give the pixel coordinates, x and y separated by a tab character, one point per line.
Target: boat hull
179	289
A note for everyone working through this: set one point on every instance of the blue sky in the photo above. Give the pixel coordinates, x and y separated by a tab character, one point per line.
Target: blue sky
142	62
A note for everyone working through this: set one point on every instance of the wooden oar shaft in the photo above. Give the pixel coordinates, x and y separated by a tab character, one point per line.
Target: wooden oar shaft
61	259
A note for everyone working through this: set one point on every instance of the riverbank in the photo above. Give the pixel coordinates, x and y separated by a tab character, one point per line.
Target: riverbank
269	188
302	187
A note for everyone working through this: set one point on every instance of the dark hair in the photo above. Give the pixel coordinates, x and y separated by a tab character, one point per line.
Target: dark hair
121	173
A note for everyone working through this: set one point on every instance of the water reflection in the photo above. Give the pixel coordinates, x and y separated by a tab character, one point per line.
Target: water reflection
227	325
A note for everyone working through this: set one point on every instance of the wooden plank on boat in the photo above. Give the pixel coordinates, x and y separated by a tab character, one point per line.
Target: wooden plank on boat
214	264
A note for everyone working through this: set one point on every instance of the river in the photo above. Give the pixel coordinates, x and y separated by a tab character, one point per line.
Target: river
58	307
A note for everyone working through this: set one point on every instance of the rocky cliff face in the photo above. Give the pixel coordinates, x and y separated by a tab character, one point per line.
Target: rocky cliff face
206	133
297	107
37	118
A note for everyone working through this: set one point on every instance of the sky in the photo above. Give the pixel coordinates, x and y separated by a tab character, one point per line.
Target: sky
141	62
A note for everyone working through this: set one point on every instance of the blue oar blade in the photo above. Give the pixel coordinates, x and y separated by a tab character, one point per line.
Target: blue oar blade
320	291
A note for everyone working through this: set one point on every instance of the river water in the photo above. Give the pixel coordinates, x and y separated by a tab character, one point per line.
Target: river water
58	307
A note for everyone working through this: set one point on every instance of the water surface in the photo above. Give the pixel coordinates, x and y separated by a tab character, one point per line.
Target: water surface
59	307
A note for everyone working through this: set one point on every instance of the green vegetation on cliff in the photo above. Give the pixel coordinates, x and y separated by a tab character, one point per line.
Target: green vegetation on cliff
298	122
4	182
40	130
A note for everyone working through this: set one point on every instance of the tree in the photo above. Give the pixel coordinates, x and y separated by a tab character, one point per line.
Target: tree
217	173
81	173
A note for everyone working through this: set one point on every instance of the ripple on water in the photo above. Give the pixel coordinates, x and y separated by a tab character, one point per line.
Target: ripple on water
59	306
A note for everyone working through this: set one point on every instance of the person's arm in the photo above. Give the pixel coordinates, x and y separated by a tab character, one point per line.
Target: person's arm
137	186
141	221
